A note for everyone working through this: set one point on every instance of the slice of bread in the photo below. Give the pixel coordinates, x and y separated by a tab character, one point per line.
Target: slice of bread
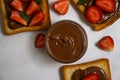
98	26
103	63
45	24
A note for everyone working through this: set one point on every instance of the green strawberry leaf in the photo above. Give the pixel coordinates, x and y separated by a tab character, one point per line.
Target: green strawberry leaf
81	2
38	1
24	15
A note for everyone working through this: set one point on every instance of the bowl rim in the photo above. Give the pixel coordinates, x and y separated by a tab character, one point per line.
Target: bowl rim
85	44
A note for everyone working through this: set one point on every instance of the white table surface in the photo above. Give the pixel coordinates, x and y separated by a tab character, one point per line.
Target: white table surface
20	60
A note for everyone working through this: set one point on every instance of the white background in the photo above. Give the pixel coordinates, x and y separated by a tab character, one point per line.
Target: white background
20	60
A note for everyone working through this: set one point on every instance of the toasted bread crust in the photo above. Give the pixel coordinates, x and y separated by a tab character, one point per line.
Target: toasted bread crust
45	25
102	63
101	26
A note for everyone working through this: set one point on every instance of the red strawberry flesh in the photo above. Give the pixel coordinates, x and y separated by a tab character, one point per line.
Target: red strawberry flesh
91	76
94	14
37	18
16	17
39	42
61	6
32	8
17	4
106	43
106	5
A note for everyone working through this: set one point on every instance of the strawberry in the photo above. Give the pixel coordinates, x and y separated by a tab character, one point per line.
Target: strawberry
106	43
106	5
37	18
39	42
94	14
25	0
32	8
17	4
61	6
16	17
91	76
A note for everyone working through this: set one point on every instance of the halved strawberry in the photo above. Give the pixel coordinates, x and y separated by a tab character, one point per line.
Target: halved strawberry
106	43
37	18
16	17
32	8
39	42
92	76
106	5
17	4
61	6
94	14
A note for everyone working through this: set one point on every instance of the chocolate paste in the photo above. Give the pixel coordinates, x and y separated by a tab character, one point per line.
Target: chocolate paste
79	74
106	16
66	41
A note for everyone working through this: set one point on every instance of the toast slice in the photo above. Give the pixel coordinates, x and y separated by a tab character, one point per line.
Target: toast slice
103	63
98	26
42	26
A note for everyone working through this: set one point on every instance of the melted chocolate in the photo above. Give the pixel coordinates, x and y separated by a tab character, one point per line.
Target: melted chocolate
66	41
79	74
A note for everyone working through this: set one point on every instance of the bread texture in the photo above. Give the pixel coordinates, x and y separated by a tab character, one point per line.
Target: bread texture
103	63
45	24
98	26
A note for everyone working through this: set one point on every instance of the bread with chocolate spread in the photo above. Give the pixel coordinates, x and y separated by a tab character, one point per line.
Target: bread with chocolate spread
100	14
25	15
79	71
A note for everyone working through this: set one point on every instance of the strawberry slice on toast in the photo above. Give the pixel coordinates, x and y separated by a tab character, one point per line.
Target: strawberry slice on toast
91	76
32	8
16	17
94	14
37	18
17	4
106	5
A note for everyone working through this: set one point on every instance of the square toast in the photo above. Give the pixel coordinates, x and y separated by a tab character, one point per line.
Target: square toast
46	23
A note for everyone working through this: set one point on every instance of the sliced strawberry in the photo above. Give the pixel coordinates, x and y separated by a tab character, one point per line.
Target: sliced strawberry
94	14
106	43
37	18
16	17
32	8
39	42
91	76
61	6
17	4
25	0
106	5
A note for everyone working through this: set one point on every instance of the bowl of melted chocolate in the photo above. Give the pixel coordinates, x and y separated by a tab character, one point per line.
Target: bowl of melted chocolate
66	41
